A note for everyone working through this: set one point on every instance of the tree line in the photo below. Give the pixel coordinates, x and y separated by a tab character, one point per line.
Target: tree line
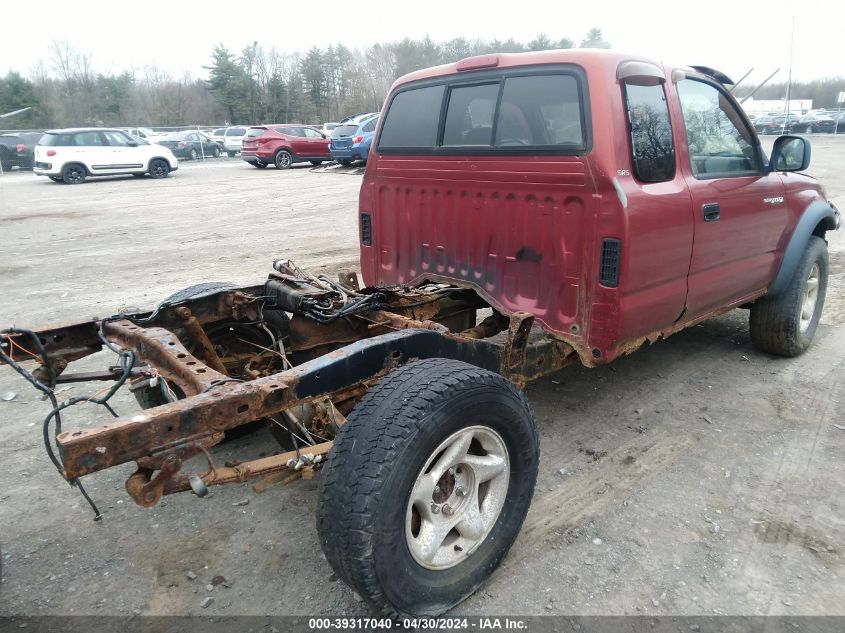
261	84
258	84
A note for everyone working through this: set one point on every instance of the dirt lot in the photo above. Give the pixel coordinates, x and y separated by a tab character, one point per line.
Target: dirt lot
695	477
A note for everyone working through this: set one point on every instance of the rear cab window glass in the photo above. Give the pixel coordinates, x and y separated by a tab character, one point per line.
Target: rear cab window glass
652	145
510	112
469	115
413	118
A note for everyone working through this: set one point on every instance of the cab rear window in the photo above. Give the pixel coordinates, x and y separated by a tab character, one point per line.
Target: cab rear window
509	113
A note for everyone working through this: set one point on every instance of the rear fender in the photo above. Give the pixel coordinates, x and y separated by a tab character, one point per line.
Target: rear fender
817	218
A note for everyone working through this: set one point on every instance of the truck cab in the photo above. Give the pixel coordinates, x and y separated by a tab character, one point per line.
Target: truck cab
616	199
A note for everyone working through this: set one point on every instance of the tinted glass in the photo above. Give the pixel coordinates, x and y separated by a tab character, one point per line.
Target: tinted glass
256	131
116	139
469	115
412	118
718	141
652	147
55	139
344	130
312	133
370	126
220	132
86	139
541	110
236	131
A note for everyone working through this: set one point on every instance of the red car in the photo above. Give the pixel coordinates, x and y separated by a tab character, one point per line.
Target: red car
284	145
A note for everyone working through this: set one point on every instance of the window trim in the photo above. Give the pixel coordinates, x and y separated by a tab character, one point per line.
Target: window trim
487	76
756	146
447	97
628	126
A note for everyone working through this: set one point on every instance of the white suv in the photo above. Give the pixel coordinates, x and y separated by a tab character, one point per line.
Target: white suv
233	139
74	154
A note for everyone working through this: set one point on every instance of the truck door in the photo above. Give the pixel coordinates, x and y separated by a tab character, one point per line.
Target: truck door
738	206
659	217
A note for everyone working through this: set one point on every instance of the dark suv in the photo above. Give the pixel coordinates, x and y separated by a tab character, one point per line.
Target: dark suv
18	149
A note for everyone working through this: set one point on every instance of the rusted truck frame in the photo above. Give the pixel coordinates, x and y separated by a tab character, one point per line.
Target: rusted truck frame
344	357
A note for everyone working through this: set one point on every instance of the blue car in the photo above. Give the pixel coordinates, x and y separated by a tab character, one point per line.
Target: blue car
351	139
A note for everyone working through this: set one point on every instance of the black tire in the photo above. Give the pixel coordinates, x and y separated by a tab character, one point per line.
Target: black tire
808	129
74	174
194	154
6	166
231	154
259	165
378	456
159	168
215	152
283	159
316	163
776	322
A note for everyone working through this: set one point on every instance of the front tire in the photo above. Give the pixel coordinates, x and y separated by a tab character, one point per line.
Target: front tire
215	152
159	168
427	486
808	129
194	154
74	174
785	324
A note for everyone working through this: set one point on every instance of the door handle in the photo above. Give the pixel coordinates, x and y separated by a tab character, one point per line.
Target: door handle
711	211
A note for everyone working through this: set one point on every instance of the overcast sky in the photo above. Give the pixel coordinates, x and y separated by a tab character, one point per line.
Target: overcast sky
179	36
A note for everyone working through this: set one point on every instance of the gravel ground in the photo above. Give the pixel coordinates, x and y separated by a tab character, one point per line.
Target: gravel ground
695	477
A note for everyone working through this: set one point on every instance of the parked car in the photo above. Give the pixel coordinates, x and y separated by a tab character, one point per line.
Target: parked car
813	123
218	135
351	140
327	128
190	144
145	133
284	145
775	124
233	139
71	155
17	149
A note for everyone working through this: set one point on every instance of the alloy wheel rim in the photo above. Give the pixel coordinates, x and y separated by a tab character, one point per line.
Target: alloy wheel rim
811	297
457	497
283	160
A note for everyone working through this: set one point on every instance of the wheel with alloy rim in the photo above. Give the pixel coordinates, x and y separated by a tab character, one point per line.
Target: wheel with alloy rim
785	324
427	486
215	152
282	159
73	174
159	168
808	129
194	154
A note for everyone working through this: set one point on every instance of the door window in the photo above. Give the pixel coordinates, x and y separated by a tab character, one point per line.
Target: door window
719	143
652	146
312	133
117	139
88	139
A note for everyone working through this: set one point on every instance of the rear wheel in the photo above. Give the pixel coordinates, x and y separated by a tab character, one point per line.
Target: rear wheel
282	159
427	486
73	174
215	152
159	168
194	154
785	324
808	129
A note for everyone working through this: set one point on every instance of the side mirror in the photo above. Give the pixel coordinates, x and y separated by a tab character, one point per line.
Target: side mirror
132	144
790	153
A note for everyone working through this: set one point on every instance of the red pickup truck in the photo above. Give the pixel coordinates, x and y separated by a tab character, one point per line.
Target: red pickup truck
519	213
